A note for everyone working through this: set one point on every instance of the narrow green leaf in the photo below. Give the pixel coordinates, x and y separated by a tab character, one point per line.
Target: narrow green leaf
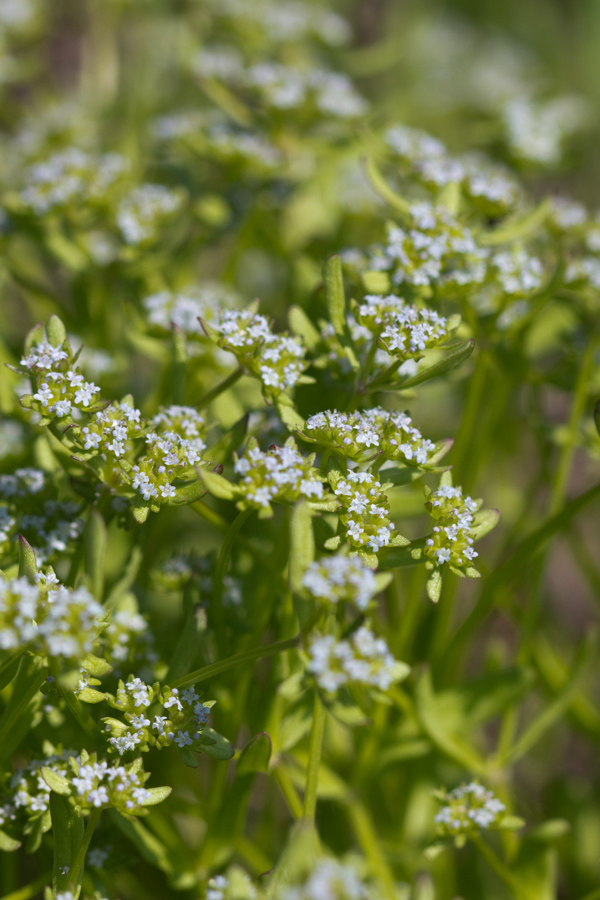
301	325
179	358
218	486
440	368
67	831
27	562
384	190
8	844
157	795
434	585
219	747
255	756
55	331
519	228
56	783
95	542
335	299
302	544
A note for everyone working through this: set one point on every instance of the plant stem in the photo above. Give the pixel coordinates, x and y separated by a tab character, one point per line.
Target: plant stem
77	866
30	890
314	759
216	607
500	868
235	660
219	388
75	706
9	660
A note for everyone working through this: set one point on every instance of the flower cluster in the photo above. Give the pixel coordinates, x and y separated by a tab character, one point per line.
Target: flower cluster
127	638
517	272
490	188
279	475
112	431
72	179
433	249
174	448
468	809
340	579
365	511
362	659
145	211
452	539
287	20
59	622
184	717
28	507
28	795
403	329
365	432
94	784
277	359
185	308
332	879
284	87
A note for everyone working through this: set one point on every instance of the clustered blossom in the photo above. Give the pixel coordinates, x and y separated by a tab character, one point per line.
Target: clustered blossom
59	623
404	329
111	431
433	249
183	717
219	136
128	638
277	359
365	511
362	659
366	432
536	131
145	211
584	272
490	187
71	178
469	809
28	795
174	447
284	87
94	784
287	20
517	272
452	539
280	474
186	307
28	508
339	579
331	879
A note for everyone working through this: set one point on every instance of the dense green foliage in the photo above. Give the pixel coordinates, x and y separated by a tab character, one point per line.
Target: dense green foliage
298	593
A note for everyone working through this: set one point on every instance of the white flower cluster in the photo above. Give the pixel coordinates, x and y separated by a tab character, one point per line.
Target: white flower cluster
112	430
280	474
468	809
284	87
184	717
174	447
71	178
59	623
95	784
517	273
331	880
28	795
63	394
536	131
128	638
405	329
365	515
364	432
340	579
145	211
362	659
584	271
184	308
434	249
50	526
452	539
218	136
287	20
568	216
489	186
277	359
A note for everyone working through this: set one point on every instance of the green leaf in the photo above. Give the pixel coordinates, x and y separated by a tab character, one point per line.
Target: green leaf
384	190
67	831
141	513
188	494
96	666
301	325
343	708
302	544
485	521
333	281
96	540
8	844
214	744
286	411
218	486
179	358
34	336
89	695
255	756
519	228
157	795
434	585
55	331
27	562
440	368
154	851
56	783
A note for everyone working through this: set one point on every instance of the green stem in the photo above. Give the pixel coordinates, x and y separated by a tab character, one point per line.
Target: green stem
213	518
463	445
501	870
78	864
314	760
9	660
74	705
216	607
219	388
371	846
14	714
245	656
